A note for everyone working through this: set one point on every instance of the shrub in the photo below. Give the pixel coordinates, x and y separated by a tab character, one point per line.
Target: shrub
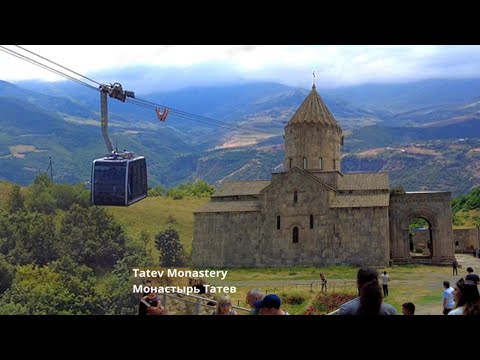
293	298
326	303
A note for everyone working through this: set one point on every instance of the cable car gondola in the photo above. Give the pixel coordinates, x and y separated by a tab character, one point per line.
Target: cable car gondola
119	180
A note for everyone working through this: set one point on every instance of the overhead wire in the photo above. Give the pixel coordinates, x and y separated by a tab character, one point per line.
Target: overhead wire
46	67
57	64
136	101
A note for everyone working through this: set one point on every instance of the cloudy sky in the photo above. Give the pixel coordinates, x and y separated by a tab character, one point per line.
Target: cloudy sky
168	67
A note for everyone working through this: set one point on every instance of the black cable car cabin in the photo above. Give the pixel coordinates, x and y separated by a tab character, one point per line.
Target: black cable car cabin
118	180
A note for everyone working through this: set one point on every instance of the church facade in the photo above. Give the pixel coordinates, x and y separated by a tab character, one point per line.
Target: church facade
313	214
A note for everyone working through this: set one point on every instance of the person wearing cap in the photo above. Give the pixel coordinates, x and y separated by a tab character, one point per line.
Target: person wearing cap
467	298
270	305
471	276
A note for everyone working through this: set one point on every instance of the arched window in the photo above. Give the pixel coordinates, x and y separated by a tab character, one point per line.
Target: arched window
295	235
290	167
278	222
305	163
320	163
311	221
295	197
334	164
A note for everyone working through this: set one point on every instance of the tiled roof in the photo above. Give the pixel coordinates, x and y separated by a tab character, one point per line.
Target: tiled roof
235	188
364	181
356	201
314	111
230	206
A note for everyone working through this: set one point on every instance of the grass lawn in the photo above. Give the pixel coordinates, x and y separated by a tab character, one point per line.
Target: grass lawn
419	284
155	214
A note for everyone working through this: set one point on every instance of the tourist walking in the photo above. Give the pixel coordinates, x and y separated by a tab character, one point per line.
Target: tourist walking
448	303
385	280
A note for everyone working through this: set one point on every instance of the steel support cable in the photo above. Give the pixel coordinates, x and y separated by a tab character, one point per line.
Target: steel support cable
138	102
57	64
46	67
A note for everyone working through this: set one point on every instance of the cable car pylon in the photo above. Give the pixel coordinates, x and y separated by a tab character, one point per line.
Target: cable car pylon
118	179
115	91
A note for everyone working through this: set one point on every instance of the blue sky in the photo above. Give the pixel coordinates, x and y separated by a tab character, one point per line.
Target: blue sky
149	68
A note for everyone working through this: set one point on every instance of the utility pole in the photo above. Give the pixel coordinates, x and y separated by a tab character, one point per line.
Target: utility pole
114	91
50	167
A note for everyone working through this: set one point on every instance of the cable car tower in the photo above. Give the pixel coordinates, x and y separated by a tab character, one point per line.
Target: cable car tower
119	178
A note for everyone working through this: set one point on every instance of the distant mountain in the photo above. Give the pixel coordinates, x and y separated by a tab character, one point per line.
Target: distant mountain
46	102
439	115
47	119
397	98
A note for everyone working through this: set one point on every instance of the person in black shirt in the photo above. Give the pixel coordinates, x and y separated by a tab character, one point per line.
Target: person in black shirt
455	266
472	276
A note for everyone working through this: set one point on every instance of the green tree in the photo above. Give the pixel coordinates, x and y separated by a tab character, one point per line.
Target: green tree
62	288
171	249
6	274
15	201
146	249
34	236
92	237
120	298
41	197
66	195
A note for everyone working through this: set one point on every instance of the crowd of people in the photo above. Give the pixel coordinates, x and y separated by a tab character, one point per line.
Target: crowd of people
464	299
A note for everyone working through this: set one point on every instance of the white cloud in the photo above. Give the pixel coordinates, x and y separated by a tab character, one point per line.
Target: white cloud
335	65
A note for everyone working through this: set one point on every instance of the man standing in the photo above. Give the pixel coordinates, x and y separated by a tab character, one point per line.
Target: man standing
472	276
385	280
448	303
323	278
455	266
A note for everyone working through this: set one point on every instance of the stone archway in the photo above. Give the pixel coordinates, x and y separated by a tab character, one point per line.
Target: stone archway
420	239
435	208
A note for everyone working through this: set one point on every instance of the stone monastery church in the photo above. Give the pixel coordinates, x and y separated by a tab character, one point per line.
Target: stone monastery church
314	214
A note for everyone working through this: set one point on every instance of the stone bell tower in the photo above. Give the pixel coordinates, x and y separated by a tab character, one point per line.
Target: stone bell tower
313	137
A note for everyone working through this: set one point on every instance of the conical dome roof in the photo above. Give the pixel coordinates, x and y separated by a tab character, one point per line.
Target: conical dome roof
314	111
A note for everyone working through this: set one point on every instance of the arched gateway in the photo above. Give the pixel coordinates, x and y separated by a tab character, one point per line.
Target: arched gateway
435	208
312	213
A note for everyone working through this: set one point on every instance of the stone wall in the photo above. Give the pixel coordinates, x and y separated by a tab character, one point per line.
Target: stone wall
276	247
361	236
420	238
339	236
225	239
466	239
312	142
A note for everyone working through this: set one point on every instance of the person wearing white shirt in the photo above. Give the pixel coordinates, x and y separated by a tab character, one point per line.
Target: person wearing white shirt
448	303
385	280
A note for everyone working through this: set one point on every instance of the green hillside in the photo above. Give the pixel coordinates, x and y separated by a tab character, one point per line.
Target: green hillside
154	214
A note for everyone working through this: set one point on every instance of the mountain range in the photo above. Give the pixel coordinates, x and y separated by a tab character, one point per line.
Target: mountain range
236	131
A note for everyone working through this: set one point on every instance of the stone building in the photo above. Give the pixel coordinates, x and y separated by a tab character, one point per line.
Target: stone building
313	214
